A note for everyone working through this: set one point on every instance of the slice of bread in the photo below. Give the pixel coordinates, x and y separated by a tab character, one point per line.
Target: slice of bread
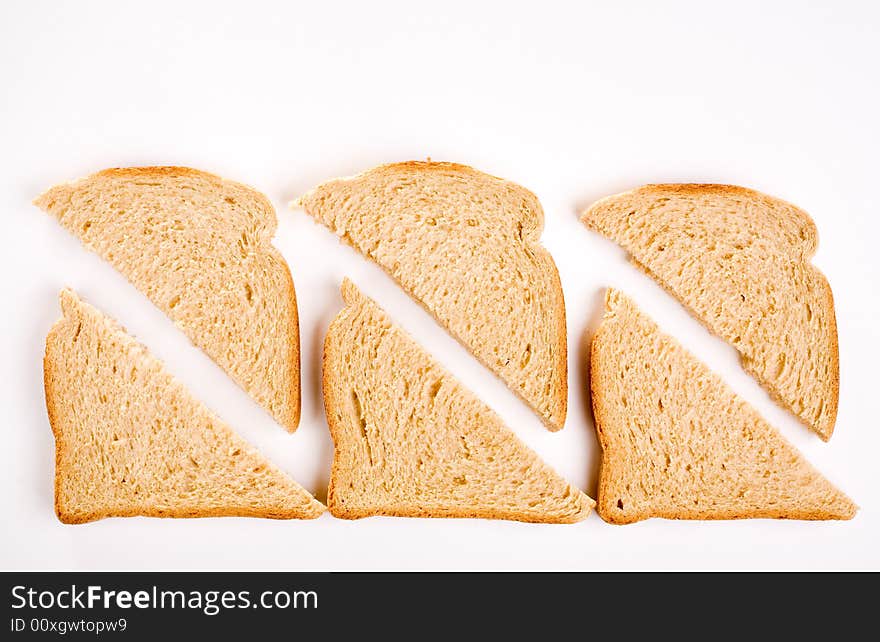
130	439
740	260
466	246
678	443
200	248
410	441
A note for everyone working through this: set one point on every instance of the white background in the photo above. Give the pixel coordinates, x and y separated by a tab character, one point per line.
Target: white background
572	100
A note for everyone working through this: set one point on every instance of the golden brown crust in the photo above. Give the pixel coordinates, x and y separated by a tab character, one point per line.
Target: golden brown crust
83	518
698	189
597	400
295	406
701	189
529	518
825	430
561	359
49	388
556	420
415	167
611	517
329	408
435	166
167	170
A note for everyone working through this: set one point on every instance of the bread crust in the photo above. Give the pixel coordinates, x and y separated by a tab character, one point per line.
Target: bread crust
294	409
290	415
597	400
805	251
556	420
51	411
528	518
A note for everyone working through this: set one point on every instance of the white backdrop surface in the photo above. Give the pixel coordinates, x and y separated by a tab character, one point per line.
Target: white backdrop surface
572	100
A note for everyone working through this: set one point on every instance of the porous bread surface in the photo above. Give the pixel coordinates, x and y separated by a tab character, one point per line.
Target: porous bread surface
740	260
130	439
466	246
200	248
411	441
678	443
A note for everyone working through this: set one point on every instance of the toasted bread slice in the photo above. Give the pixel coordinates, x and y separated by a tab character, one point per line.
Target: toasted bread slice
740	260
200	248
410	441
130	440
466	246
677	442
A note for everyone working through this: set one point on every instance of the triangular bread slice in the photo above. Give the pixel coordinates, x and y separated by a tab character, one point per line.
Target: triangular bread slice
678	443
465	245
200	248
411	441
740	261
130	439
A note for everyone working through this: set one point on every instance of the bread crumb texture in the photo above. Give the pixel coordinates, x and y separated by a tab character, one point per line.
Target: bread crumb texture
130	440
678	443
200	248
410	441
740	261
465	245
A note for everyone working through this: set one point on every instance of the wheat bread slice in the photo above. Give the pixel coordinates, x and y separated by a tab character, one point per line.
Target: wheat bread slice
411	441
466	246
131	440
740	261
678	443
199	247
